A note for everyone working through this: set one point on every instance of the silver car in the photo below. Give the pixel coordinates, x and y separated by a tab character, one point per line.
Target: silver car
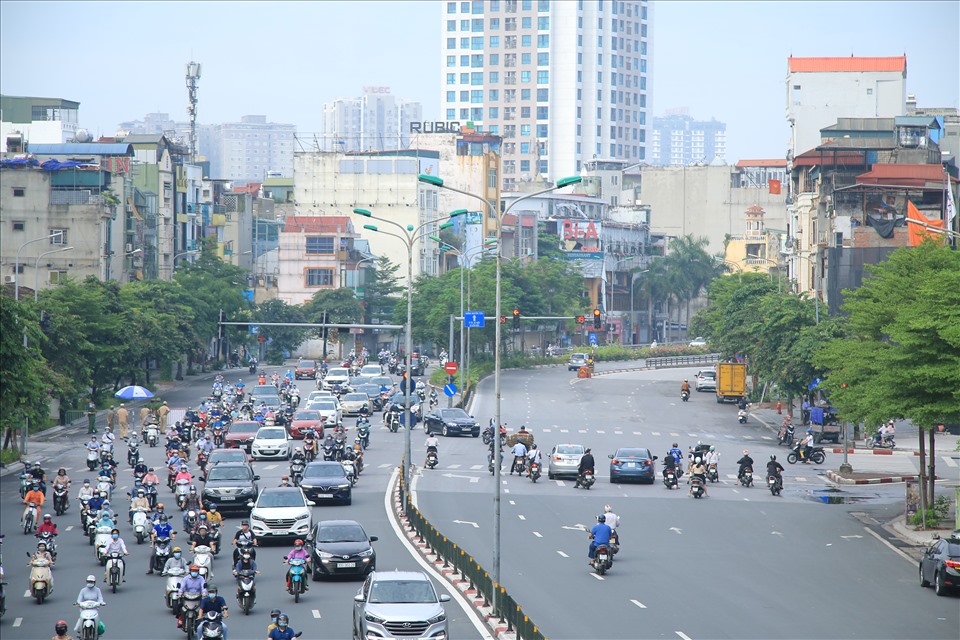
399	604
565	460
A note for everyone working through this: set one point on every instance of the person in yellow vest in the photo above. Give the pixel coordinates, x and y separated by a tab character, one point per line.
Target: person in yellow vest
123	418
111	416
162	414
144	414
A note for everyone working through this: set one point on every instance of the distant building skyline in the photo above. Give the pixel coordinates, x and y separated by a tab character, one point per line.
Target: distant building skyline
374	121
678	139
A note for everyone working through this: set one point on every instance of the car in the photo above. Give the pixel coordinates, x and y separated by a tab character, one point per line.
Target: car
353	404
371	370
262	390
383	381
632	463
240	435
271	443
304	419
451	422
576	361
231	485
270	398
280	512
329	409
228	455
341	547
336	377
393	604
373	392
699	341
706	380
359	380
940	565
306	369
564	460
319	393
325	482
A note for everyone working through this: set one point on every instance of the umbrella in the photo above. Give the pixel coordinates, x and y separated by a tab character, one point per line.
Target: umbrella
133	392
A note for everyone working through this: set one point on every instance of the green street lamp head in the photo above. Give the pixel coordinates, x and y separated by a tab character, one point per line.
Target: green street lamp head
566	182
410	227
364	212
445	225
458	212
371	227
434	180
436	239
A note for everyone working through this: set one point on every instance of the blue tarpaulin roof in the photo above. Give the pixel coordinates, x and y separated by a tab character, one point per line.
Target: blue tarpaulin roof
82	149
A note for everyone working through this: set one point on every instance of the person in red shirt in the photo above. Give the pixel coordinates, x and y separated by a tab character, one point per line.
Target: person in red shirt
47	526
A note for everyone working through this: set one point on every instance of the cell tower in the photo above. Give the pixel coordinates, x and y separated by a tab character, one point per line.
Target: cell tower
193	74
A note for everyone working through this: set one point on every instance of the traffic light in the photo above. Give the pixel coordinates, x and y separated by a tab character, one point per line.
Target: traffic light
503	319
516	319
581	319
597	320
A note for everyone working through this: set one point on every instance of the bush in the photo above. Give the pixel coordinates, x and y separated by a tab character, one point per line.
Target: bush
933	516
8	456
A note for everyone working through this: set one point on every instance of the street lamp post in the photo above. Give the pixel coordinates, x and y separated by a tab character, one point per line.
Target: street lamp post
633	277
773	262
407	235
356	285
438	182
16	264
36	270
180	255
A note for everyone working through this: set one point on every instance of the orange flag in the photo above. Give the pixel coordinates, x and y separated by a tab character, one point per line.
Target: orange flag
918	226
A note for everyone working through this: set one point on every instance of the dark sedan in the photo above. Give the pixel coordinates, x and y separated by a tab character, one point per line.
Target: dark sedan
325	482
940	566
341	547
450	422
632	463
240	435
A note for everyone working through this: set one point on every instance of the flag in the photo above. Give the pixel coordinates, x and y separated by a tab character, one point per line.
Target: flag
951	206
919	226
774	186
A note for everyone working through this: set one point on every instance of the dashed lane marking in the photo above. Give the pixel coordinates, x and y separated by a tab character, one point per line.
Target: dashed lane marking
655	433
521	516
683	635
563	554
454	466
950	462
270	467
538	534
637	433
675	435
384	466
564	430
598	577
766	437
476	467
547	430
316	613
70	528
583	430
618	433
639	604
603	432
18	622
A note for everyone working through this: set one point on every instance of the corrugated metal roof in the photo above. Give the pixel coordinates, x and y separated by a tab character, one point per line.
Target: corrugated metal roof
81	149
917	121
828	158
769	162
906	175
856	64
316	224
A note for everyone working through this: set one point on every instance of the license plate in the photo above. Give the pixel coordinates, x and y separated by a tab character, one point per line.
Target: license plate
631	465
227	498
324	495
346	565
602	556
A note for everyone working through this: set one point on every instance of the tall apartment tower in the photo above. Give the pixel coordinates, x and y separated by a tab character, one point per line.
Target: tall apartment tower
246	151
376	121
679	140
561	81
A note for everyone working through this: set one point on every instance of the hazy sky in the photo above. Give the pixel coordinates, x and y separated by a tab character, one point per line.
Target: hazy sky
725	60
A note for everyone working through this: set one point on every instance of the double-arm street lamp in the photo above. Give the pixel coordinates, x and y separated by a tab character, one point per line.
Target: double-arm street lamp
356	275
498	216
36	270
16	264
408	235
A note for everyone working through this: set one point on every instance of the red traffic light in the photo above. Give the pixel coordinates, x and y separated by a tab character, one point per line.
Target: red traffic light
581	319
503	319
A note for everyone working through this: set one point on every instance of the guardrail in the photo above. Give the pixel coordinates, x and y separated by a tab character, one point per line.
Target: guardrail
682	361
508	611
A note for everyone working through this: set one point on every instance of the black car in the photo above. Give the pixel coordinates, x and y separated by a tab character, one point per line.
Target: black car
452	421
326	482
940	565
231	485
341	547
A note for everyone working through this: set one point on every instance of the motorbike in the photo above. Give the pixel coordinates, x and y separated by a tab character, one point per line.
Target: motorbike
190	606
93	459
202	458
329	453
774	484
244	546
215	534
190	522
183	487
490	462
670	479
585	480
602	559
105	483
296	576
487	436
296	471
152	435
817	456
888	442
742	416
246	590
218	436
432	459
211	629
786	435
90	525
61	501
115	570
41	579
363	430
133	452
434	398
252	368
712	474
150	491
684	395
161	551
90	625
140	526
203	558
392	419
534	471
100	543
30	518
696	487
350	470
51	541
26	479
519	465
746	478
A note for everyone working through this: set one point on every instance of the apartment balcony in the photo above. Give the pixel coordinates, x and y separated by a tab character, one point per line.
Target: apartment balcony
755	235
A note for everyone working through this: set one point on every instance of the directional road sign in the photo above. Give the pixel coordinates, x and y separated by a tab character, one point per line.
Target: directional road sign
473	319
593	338
450	389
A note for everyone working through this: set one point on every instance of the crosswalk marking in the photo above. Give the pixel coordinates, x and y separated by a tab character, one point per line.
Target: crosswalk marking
950	462
475	467
454	466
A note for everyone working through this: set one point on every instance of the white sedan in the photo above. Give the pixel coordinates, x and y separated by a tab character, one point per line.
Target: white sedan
699	341
270	443
329	409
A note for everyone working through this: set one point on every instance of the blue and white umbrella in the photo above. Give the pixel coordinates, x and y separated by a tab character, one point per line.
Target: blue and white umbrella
133	392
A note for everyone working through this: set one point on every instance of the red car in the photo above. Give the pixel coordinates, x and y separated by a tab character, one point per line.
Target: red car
306	369
305	419
241	435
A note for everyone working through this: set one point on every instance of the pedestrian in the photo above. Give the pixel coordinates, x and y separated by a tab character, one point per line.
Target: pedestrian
779	408
162	413
111	416
123	417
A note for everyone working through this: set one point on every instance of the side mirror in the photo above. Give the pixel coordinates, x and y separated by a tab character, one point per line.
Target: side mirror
358	598
374	538
656	458
444	598
250	504
610	456
202	479
284	557
256	477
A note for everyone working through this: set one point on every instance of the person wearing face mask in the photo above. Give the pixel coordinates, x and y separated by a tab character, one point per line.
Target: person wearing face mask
283	630
215	603
89	593
298	553
61	630
86	491
192	583
176	561
273	621
161	529
116	545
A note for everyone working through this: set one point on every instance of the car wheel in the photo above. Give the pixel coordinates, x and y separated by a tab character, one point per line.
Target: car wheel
923	583
938	586
444	431
550	476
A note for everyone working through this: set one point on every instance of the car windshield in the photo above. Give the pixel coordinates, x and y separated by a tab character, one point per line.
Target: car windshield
383	381
454	414
323	406
244	427
239	456
280	499
369	389
570	449
708	374
268	400
341	533
323	471
264	389
271	434
308	364
306	415
228	473
338	372
632	453
355	397
402	592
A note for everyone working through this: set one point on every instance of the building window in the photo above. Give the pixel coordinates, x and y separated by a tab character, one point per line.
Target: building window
524	166
525	113
476	96
19	192
316	277
494	113
543	77
543	59
526	22
494	22
526	58
494	41
19	225
524	76
319	245
451	7
543	41
543	95
524	147
542	113
476	78
526	41
451	114
542	130
543	23
494	59
59	236
451	25
494	77
796	94
451	78
494	94
451	61
57	277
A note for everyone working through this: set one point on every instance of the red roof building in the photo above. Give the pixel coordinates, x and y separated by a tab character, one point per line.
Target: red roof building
851	64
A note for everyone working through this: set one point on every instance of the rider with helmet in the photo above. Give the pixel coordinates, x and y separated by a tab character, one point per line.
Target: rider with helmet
213	607
61	630
298	553
599	535
282	631
534	456
775	469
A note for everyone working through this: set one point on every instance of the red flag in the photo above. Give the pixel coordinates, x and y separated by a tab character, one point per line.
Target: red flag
919	226
774	186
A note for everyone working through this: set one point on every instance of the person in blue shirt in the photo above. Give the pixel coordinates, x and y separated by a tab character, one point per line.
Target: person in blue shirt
599	534
213	602
283	630
96	502
161	529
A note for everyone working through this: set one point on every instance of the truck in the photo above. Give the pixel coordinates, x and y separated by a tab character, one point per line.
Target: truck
731	381
825	424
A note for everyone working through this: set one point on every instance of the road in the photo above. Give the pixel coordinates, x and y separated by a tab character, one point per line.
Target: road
807	564
137	610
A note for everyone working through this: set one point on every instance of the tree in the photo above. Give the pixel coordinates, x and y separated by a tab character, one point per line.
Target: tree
281	339
162	321
340	306
380	295
23	394
901	358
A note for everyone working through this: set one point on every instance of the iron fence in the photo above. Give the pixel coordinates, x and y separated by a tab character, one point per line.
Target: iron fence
682	361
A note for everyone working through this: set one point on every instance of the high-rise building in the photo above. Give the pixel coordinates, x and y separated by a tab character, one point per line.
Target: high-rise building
561	82
246	151
679	140
376	121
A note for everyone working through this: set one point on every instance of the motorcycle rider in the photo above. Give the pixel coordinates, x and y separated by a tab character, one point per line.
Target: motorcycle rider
86	491
519	456
282	631
685	387
161	529
61	479
677	454
806	446
300	553
587	463
533	457
176	561
159	514
39	476
613	521
245	563
213	603
669	462
35	496
213	516
116	545
42	573
246	534
192	583
135	493
273	621
699	471
107	518
712	457
47	526
746	462
96	501
150	476
61	630
203	537
285	481
140	469
91	592
774	468
193	502
432	444
599	534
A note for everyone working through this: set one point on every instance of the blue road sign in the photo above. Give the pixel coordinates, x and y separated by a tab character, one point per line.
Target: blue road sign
450	389
254	329
593	338
473	319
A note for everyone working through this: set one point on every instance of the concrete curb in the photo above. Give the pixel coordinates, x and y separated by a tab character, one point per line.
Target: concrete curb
836	478
875	452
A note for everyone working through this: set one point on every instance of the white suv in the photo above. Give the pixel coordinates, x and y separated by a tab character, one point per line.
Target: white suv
394	604
335	375
281	512
707	380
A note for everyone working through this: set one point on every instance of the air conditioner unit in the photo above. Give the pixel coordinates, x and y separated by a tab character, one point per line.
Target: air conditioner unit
9	279
129	247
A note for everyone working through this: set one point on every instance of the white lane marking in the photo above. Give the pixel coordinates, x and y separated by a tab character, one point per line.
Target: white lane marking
522	517
637	433
18	622
616	433
506	490
476	467
654	433
692	435
563	554
123	488
384	466
950	461
683	635
538	534
766	437
898	551
270	467
736	491
639	604
674	434
316	613
748	437
546	430
454	466
603	432
727	435
583	430
598	577
26	594
800	479
732	476
473	524
70	528
512	502
564	430
560	483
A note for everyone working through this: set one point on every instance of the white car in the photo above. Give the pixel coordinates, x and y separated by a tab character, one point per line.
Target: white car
270	443
371	370
706	380
319	393
336	375
699	341
281	512
329	409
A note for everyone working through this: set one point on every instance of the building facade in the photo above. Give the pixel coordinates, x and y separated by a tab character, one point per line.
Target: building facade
249	150
315	253
561	81
39	120
376	121
677	139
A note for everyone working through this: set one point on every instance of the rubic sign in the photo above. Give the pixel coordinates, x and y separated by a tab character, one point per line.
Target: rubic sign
434	127
450	368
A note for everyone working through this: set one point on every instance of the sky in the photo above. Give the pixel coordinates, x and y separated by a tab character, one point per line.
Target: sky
722	60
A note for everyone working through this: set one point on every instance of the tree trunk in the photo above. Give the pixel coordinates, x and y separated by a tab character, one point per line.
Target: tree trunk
923	470
649	319
933	469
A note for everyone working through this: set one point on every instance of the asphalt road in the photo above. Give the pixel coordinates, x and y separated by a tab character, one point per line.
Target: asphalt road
138	611
750	565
